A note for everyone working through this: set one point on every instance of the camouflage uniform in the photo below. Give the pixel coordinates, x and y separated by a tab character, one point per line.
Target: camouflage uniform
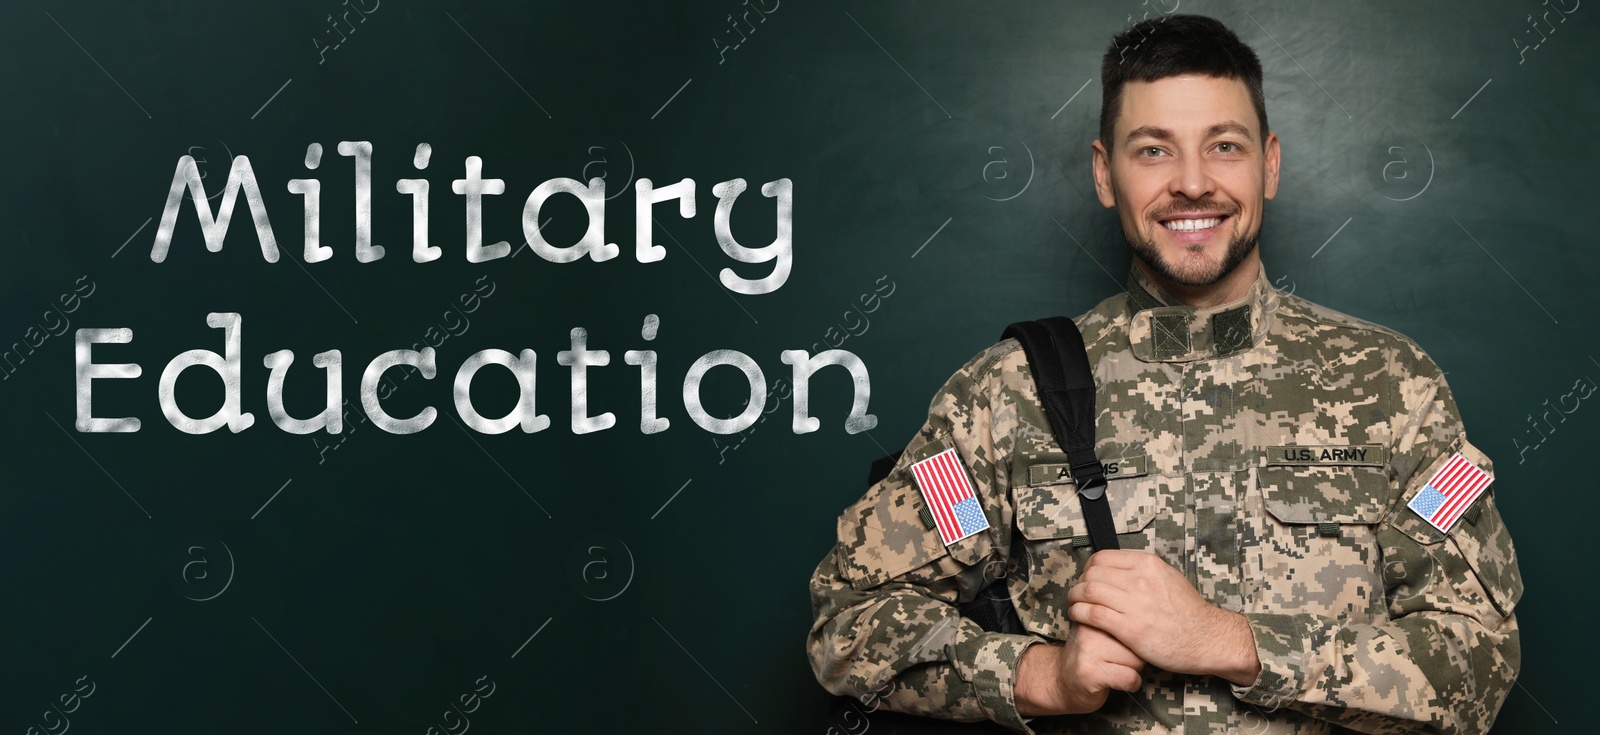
1267	448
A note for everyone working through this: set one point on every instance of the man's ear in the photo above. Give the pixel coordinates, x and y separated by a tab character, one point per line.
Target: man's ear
1102	176
1271	189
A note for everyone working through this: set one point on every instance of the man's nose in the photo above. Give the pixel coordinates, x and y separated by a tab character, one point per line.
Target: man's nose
1192	179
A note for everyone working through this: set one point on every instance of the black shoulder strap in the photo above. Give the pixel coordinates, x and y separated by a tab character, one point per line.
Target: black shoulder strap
1066	388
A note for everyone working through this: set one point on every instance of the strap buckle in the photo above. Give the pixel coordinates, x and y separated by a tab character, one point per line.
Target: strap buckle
1090	478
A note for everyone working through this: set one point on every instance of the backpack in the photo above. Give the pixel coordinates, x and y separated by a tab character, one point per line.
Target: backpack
1060	368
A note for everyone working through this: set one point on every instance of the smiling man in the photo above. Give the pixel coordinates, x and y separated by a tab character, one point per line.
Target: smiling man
1308	542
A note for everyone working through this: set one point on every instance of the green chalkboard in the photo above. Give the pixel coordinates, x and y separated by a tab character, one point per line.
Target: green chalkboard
1434	156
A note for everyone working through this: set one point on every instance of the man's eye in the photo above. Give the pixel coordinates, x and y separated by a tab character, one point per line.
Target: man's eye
1148	150
1234	148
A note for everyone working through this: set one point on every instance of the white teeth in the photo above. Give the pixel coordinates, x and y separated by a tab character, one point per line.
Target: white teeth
1191	225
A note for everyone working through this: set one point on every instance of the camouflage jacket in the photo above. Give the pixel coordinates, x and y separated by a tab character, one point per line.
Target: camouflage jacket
1267	448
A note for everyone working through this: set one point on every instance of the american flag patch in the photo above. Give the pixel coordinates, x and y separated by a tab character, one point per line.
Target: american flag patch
948	493
1449	492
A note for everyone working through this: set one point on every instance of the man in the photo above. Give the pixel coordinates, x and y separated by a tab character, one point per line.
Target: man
1280	476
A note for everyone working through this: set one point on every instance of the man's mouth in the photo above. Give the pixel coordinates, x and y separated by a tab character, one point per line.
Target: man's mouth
1193	223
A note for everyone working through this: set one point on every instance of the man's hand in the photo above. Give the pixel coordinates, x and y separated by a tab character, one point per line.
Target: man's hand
1077	676
1151	607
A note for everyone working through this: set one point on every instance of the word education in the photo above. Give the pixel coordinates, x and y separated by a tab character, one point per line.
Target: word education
376	386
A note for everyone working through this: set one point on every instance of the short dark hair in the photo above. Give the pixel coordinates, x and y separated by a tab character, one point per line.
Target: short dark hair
1170	45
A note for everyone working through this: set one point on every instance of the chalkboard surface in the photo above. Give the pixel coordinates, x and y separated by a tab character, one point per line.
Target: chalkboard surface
1435	180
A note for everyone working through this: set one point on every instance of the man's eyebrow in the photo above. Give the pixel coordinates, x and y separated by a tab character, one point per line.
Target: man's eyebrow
1148	131
1221	128
1229	127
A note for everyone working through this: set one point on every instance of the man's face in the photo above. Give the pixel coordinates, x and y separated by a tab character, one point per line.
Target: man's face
1186	153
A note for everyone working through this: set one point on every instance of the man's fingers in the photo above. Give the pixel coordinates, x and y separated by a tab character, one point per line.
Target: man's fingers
1122	678
1099	644
1099	591
1100	616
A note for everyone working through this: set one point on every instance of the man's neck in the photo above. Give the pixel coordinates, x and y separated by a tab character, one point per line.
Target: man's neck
1232	287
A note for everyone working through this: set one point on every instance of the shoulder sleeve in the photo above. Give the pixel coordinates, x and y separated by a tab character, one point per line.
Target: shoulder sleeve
1446	657
885	599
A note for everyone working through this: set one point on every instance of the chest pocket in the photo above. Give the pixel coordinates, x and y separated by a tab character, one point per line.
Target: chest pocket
1054	542
1316	547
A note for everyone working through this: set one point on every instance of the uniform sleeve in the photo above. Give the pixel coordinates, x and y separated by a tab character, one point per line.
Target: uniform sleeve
1448	654
887	628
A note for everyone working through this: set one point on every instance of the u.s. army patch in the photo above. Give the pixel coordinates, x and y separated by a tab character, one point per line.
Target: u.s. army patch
948	493
1450	492
1328	454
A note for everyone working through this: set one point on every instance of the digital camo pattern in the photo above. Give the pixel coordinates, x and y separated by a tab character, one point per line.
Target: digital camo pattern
1365	617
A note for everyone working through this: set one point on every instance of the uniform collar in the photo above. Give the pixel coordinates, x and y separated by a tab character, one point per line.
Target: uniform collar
1163	329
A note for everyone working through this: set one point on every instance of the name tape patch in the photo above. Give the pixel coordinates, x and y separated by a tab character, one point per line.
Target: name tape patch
1133	465
1355	454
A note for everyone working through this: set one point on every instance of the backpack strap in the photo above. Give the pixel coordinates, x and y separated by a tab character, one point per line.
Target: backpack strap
1060	367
